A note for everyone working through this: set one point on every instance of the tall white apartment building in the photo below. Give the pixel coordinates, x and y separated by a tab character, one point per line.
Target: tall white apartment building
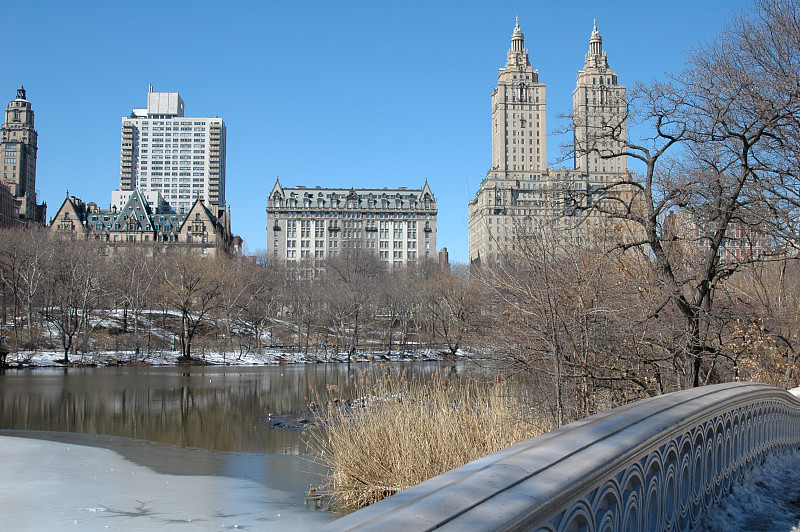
164	152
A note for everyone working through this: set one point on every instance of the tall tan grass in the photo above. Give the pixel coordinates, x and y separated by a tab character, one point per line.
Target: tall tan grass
400	432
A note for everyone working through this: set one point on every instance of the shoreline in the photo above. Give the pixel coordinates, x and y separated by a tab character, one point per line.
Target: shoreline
271	357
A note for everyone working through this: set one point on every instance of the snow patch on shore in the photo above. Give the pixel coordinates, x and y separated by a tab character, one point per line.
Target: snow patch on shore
170	358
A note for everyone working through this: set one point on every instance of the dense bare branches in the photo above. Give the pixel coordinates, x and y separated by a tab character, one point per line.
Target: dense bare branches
718	186
76	280
192	288
24	259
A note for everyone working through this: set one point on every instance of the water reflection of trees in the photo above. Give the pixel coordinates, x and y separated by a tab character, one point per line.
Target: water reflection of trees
211	408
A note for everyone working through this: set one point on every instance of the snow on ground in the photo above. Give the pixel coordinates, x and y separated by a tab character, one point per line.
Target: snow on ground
169	358
767	500
149	323
48	485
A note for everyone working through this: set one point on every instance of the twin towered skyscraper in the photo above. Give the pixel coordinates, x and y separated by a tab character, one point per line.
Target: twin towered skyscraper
520	193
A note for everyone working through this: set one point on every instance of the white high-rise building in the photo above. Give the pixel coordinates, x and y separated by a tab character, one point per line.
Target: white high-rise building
167	153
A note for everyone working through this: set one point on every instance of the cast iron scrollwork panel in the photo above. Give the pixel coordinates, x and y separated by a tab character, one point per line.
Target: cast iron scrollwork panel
674	483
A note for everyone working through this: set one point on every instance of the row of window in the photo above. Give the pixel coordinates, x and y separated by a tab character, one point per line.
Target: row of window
174	123
339	214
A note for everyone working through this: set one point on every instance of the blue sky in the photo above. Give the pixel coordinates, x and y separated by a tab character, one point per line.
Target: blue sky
331	94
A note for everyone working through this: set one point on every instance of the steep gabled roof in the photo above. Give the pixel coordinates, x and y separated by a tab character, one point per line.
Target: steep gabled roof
426	189
76	211
136	212
198	207
277	189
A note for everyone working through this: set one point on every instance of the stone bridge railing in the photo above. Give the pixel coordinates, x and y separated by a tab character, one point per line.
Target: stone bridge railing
652	465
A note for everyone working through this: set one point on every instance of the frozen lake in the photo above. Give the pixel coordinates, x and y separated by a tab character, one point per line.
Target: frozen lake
50	485
141	448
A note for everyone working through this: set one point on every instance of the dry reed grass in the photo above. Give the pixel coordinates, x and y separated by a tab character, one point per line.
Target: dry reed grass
401	432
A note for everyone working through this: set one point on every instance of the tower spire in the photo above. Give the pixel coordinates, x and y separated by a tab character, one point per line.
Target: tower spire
518	42
596	57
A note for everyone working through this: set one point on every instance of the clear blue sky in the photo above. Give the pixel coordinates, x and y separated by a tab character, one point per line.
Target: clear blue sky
335	94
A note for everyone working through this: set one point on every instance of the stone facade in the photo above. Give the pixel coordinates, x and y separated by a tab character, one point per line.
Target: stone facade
397	225
9	209
19	146
520	196
202	228
599	104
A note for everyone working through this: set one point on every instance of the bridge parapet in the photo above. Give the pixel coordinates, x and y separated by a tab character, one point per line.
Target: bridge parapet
656	464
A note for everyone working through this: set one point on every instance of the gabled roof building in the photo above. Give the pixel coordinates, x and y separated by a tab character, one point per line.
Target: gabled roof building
136	222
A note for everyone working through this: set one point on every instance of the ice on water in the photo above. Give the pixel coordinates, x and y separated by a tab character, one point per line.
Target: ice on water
48	485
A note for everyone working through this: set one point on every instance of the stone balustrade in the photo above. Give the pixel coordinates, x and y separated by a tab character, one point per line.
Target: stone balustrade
656	464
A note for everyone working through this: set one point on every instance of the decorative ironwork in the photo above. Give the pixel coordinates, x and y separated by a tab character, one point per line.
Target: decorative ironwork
675	483
653	465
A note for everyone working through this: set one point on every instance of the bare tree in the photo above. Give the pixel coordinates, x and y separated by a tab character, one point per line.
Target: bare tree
717	150
458	306
350	281
260	304
137	274
239	282
301	303
765	325
76	275
192	286
24	259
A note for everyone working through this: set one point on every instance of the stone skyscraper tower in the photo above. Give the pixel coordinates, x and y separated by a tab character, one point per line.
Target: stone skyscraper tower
519	153
18	142
521	198
519	119
599	112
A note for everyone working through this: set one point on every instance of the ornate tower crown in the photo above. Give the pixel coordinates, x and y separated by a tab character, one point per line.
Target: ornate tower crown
518	55
596	57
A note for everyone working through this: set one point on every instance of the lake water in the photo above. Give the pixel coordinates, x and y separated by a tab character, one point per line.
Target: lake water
220	433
